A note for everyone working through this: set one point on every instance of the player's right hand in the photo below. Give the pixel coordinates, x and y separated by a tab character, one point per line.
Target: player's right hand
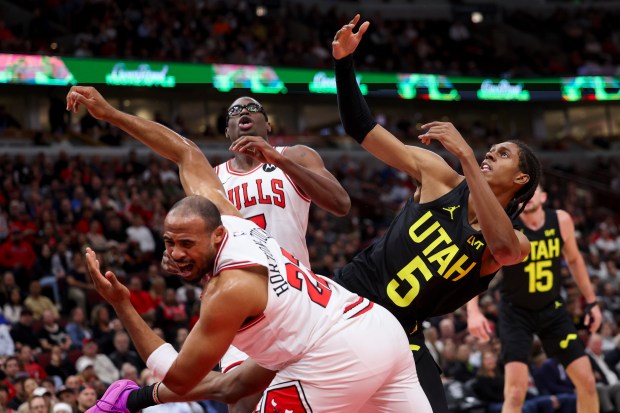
92	100
345	41
107	286
479	327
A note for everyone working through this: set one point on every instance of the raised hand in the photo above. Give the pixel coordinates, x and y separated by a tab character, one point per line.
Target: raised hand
107	286
92	100
345	41
258	148
448	135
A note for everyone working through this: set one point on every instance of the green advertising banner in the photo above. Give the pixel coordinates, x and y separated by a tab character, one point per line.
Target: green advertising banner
63	71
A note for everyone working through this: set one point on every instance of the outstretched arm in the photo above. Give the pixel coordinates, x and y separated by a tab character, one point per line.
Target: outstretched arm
426	167
197	175
305	167
246	379
241	289
578	270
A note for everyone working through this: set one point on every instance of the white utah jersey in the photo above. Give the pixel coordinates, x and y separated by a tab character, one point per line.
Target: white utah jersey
270	198
302	308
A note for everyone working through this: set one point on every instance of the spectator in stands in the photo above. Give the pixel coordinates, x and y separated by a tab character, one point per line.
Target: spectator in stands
86	399
104	367
43	271
551	380
13	308
101	326
51	333
17	255
37	404
67	395
4	399
22	332
38	303
170	315
123	353
141	299
460	369
59	365
607	383
29	364
78	282
78	328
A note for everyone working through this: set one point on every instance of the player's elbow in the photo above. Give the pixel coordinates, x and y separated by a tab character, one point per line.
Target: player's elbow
508	255
342	206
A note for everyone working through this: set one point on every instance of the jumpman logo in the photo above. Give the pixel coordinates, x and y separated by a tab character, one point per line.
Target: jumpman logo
564	343
558	305
451	210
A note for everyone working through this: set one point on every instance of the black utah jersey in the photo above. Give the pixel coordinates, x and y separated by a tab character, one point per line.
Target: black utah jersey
427	264
535	283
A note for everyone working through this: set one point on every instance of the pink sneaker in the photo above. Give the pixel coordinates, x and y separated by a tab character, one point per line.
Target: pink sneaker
114	399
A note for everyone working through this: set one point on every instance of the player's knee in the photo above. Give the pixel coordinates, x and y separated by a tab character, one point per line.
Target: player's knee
514	394
586	383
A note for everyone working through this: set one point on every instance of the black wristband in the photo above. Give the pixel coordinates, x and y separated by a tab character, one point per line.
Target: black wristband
587	311
589	307
141	398
354	111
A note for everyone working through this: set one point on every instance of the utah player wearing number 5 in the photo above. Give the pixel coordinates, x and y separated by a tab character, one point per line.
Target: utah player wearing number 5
319	347
531	304
443	249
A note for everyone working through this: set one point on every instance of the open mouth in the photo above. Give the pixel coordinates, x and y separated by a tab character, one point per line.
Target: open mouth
246	123
185	267
485	167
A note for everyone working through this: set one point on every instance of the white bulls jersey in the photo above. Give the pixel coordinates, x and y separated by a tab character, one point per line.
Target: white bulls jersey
303	309
267	196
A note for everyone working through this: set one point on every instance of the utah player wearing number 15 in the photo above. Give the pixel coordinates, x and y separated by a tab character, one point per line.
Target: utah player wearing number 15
531	304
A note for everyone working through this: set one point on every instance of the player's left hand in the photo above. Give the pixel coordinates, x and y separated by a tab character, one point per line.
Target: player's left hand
345	41
258	148
593	318
448	136
107	286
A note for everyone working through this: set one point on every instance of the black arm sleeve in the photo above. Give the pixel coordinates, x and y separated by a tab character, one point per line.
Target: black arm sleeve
354	111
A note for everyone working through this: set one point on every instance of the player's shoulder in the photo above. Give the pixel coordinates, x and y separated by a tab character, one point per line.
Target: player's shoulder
297	152
563	216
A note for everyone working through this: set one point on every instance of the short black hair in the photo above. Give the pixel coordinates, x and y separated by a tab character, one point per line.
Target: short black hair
199	206
529	164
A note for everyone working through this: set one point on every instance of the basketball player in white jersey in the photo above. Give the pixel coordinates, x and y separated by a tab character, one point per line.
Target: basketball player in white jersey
322	348
273	186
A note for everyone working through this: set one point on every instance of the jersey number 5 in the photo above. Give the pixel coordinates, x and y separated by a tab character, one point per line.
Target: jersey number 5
317	287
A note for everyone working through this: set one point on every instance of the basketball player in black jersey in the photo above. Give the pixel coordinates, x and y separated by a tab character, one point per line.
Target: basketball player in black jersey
531	304
443	249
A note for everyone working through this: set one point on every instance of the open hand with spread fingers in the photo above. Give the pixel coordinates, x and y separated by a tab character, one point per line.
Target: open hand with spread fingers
345	41
106	285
